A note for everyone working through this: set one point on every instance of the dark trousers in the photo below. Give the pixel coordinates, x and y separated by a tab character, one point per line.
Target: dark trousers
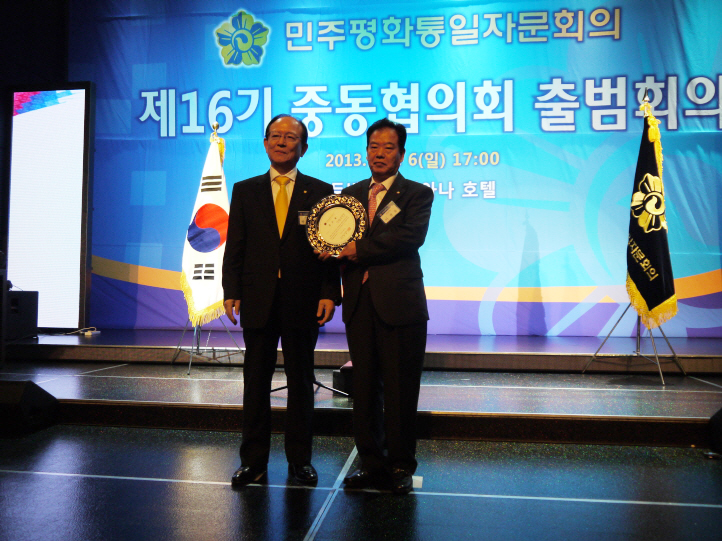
387	365
298	345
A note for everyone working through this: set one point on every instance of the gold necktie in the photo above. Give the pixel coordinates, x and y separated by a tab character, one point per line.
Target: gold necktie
281	203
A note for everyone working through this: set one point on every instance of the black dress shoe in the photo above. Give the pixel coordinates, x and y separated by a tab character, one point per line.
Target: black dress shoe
401	481
246	475
361	478
303	473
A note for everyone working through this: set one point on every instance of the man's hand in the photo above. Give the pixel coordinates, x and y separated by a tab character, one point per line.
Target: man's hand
326	308
324	256
230	305
349	252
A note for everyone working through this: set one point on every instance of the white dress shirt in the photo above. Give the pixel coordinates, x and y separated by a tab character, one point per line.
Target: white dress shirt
379	196
275	186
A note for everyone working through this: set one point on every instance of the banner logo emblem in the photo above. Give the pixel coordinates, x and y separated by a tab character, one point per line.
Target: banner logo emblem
241	40
648	204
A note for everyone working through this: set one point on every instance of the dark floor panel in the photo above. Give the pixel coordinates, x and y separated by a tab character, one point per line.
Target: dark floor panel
469	392
119	483
49	368
365	516
181	390
571	381
19	377
440	378
715	381
593	408
570	401
155	383
570	471
430	425
158	454
86	509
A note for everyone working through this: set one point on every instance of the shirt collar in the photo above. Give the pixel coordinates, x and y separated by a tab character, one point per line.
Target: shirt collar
387	183
291	174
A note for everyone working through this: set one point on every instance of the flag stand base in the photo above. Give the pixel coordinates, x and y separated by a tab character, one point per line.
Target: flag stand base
195	350
317	384
638	353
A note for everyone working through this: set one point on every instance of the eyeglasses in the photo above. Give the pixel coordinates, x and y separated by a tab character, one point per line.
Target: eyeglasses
278	137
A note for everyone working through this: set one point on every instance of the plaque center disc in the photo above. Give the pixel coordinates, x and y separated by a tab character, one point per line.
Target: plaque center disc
337	225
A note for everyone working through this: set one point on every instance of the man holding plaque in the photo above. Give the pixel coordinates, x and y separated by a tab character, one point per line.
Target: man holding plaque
274	281
384	309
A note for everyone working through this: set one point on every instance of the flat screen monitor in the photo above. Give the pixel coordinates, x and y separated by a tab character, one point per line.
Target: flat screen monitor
48	200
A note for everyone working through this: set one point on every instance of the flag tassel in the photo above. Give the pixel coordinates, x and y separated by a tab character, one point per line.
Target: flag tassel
204	315
651	318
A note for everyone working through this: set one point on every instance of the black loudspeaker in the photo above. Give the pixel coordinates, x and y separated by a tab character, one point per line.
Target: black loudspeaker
21	315
25	408
343	379
715	428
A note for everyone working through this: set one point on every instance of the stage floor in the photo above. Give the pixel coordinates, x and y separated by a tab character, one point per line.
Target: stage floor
582	408
483	388
103	473
435	343
468	392
80	483
443	352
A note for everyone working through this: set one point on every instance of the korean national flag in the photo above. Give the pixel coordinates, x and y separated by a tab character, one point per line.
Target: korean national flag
205	241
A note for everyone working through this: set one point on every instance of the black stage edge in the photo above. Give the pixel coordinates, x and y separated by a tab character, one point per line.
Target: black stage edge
497	361
682	432
110	396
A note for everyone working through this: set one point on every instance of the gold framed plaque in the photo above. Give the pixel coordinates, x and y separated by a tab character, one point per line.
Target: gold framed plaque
335	221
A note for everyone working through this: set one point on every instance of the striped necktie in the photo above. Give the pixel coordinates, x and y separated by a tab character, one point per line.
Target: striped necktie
376	188
372	201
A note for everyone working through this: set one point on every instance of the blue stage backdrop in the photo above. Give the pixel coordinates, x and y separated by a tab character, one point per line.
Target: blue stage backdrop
523	117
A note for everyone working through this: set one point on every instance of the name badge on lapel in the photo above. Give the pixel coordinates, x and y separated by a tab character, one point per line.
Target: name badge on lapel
302	217
388	212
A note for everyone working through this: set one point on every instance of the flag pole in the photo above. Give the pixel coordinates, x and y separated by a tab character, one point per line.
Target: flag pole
203	267
195	350
648	259
638	352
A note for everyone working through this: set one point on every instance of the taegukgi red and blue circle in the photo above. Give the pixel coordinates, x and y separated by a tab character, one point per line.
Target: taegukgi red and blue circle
208	228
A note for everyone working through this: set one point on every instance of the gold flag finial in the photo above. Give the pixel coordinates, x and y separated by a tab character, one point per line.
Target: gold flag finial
221	142
646	107
654	135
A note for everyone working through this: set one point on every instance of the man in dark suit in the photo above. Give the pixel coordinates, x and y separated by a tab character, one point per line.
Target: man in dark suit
385	313
273	280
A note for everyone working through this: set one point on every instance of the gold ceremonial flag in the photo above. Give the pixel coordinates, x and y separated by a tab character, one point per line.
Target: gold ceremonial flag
650	282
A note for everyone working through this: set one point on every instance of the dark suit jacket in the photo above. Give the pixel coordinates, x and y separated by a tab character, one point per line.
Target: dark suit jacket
390	252
254	254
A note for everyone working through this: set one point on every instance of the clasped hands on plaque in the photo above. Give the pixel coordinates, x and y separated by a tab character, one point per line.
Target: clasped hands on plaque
348	252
